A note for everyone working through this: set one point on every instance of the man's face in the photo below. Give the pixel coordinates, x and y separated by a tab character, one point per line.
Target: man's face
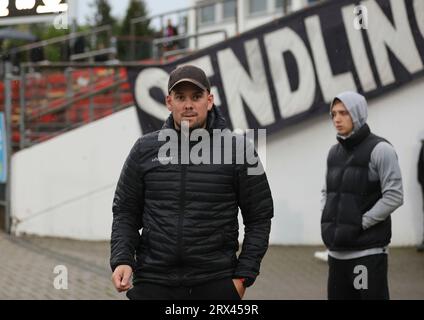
188	102
341	119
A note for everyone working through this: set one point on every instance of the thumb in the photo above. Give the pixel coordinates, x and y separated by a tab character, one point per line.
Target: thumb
125	278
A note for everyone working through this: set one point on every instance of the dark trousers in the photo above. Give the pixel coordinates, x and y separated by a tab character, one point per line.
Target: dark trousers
358	279
222	289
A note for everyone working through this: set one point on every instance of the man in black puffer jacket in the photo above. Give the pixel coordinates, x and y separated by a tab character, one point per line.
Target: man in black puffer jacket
188	212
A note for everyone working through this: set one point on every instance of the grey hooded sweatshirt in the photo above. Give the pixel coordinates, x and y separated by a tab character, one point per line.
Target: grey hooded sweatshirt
383	167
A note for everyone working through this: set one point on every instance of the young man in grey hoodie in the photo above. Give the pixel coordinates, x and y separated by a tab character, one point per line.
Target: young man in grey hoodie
363	187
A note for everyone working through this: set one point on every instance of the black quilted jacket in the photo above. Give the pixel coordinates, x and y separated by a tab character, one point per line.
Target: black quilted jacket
188	215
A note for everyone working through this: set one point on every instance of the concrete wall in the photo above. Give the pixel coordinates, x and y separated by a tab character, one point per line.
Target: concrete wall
64	187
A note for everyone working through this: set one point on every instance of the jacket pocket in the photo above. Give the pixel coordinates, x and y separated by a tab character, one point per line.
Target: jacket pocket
222	240
347	235
228	242
233	288
145	237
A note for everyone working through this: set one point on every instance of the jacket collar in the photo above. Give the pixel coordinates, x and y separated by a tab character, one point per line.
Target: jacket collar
352	141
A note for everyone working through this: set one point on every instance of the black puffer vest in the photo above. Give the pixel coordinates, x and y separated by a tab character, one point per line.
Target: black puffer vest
350	194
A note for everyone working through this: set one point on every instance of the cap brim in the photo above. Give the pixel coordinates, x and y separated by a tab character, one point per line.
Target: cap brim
196	83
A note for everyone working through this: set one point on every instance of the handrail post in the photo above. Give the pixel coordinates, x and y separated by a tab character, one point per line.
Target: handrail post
117	95
236	13
196	28
132	43
69	89
22	91
8	122
91	100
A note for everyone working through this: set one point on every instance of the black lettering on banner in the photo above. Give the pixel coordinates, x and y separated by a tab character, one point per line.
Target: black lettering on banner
289	70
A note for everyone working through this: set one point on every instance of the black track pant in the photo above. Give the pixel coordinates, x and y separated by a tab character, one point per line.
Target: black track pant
222	289
358	279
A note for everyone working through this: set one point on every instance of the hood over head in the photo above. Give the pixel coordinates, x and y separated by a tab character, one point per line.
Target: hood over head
356	105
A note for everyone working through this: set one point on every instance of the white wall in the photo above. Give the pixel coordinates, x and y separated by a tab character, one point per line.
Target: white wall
64	187
70	180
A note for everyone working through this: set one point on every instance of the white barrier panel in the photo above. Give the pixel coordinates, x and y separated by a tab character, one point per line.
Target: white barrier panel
64	187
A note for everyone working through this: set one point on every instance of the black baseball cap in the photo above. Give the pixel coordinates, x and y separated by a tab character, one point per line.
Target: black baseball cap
189	73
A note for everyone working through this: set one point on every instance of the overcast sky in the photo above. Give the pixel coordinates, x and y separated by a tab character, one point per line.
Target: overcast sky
119	7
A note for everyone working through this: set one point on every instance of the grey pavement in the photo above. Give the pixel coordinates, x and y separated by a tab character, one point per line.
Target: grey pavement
27	267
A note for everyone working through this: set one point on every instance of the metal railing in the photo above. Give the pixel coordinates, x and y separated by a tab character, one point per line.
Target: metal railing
110	52
92	34
160	41
8	77
161	16
73	105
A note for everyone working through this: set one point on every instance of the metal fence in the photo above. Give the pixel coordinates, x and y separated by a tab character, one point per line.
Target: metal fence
46	100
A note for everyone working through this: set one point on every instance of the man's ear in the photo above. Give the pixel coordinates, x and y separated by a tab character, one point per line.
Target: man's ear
210	101
168	102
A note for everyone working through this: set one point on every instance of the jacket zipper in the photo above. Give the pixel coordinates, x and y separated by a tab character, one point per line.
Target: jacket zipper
180	221
339	193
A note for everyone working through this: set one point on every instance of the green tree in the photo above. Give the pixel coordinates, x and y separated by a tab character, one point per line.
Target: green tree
103	17
142	31
136	9
55	52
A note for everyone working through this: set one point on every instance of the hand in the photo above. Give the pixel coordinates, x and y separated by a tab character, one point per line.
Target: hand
239	287
121	277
